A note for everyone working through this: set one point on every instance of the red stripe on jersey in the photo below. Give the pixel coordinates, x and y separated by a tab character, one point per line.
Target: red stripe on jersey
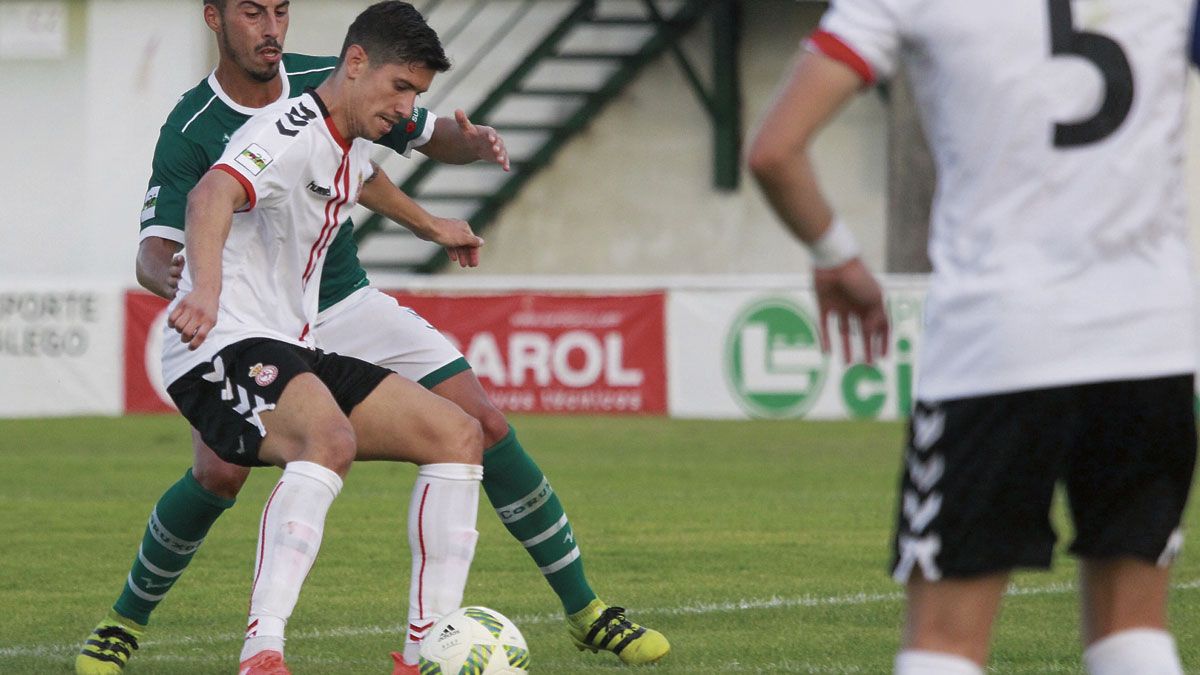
345	187
337	208
304	333
832	46
315	252
327	233
336	136
246	185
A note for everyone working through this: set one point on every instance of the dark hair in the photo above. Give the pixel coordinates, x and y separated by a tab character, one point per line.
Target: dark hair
219	4
395	32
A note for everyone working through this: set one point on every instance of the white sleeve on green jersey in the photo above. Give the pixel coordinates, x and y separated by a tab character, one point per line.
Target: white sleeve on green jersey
411	133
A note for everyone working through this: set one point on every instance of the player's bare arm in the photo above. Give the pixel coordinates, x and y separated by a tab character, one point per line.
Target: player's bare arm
159	266
459	141
780	161
382	196
209	215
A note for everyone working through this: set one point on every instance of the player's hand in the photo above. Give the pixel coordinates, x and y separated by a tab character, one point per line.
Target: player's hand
194	317
174	274
488	145
851	294
461	243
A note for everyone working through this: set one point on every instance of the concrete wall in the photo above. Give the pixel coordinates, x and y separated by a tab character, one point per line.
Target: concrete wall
634	194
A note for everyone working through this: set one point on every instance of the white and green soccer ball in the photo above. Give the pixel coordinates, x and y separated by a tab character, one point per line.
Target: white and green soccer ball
474	641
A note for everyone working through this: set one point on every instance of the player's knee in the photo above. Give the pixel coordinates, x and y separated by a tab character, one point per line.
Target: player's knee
334	446
494	424
220	478
465	445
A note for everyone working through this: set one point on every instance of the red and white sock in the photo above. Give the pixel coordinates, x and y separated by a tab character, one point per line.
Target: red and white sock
441	534
289	537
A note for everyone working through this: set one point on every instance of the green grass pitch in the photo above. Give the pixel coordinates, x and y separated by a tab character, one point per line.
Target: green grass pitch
756	547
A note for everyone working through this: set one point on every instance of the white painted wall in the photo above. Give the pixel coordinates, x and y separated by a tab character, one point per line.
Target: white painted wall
80	134
632	195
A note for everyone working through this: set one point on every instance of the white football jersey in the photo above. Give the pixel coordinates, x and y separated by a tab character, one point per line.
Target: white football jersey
1059	237
302	179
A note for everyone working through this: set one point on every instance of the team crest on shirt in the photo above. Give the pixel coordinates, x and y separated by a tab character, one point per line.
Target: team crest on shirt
151	203
254	158
263	375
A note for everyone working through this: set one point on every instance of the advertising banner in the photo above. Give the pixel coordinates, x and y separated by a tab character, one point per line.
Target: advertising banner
757	354
558	353
145	316
60	352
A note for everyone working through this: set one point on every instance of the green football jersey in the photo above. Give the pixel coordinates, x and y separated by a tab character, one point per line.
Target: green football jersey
195	134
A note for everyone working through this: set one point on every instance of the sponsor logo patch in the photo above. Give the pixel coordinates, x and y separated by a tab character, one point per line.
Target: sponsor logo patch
254	158
773	359
151	203
263	375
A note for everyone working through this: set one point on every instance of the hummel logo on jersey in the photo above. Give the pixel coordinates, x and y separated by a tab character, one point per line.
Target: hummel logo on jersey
298	116
321	190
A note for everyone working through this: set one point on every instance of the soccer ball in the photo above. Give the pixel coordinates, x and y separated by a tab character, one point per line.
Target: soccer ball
474	641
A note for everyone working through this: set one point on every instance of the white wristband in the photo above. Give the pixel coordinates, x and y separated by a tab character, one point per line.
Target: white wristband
835	248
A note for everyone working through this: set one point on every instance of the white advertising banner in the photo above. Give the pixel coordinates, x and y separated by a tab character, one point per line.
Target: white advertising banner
756	353
60	351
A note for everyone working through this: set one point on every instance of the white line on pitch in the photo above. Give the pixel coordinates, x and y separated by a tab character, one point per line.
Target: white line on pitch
56	651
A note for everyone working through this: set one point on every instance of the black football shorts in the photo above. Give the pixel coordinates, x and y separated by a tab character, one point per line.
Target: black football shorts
979	476
224	398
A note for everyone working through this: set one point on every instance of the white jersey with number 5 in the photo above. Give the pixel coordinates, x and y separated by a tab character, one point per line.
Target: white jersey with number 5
1059	236
301	179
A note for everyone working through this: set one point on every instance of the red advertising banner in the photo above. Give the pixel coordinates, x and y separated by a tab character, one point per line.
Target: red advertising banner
556	353
533	352
144	318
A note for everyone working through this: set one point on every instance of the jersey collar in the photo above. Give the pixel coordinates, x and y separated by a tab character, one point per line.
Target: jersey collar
337	137
284	92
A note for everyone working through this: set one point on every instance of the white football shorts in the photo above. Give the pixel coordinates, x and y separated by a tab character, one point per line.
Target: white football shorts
372	326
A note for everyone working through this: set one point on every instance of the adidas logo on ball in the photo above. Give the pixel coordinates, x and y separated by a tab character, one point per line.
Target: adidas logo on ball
475	641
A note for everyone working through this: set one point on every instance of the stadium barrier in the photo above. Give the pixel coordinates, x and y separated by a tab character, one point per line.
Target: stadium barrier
696	347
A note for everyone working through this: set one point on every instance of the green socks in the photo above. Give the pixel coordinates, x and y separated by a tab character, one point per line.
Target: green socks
177	527
532	513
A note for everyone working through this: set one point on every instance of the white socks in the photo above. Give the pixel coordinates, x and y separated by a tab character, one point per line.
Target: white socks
288	540
915	662
441	534
1139	651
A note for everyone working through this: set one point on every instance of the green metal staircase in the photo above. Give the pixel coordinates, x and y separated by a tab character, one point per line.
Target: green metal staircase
562	83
